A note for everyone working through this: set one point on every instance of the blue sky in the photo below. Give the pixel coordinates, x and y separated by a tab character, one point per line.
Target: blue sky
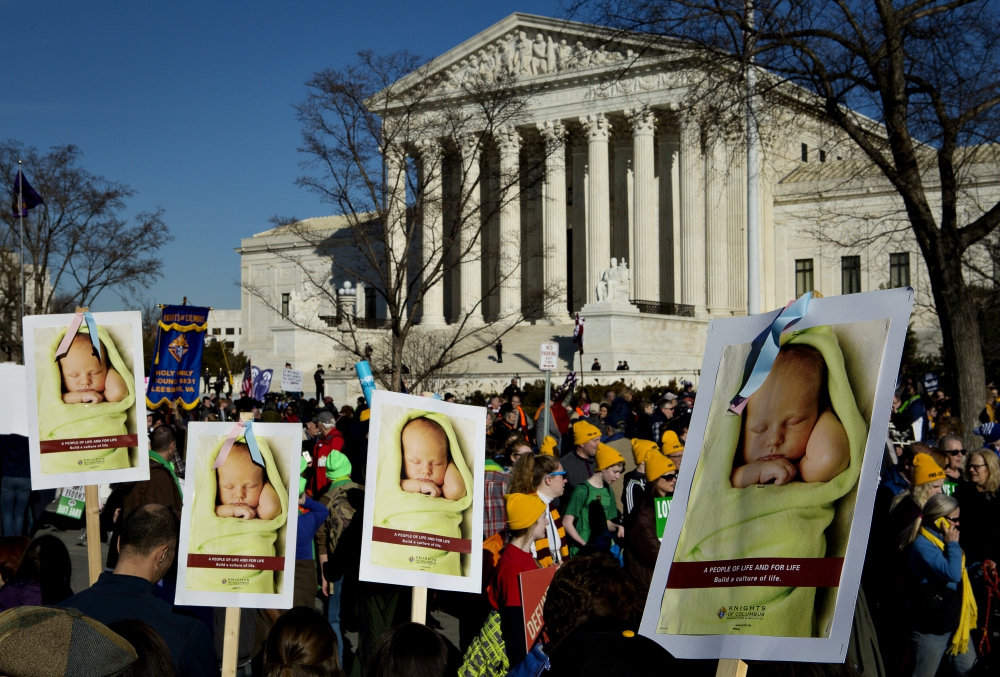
190	103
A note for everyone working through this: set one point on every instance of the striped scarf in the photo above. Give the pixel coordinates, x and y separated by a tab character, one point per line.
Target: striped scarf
543	547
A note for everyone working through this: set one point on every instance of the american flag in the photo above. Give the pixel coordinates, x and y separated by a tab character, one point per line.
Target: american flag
246	388
578	332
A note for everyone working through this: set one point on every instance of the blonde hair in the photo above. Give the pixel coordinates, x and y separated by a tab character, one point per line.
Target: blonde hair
935	508
919	494
992	465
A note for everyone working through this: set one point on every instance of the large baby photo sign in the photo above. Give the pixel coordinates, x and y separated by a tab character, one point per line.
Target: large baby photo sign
86	412
424	499
762	554
238	524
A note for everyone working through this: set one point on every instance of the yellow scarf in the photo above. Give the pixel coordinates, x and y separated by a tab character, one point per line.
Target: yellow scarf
967	619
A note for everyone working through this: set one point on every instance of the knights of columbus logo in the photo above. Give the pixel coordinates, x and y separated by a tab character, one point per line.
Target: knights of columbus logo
722	612
178	347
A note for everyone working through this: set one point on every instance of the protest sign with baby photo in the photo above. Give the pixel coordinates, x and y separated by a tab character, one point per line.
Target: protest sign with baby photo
86	412
424	504
237	541
766	537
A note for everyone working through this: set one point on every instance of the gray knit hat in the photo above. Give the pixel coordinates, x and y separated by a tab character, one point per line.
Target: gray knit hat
40	641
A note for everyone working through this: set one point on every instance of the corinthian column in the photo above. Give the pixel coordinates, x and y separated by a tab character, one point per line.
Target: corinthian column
598	129
580	182
470	234
717	240
645	235
509	144
432	225
621	220
692	215
554	219
395	226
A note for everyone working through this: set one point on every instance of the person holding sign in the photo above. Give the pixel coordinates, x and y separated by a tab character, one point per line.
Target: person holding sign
642	545
526	522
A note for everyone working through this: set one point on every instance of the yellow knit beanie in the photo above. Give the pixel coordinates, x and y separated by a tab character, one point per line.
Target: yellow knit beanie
583	432
925	470
523	510
642	448
607	457
549	446
658	465
671	444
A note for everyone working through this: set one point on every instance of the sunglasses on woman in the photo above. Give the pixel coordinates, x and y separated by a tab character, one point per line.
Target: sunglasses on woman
669	477
557	473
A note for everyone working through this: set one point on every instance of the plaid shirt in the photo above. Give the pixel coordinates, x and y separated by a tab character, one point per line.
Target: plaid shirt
495	506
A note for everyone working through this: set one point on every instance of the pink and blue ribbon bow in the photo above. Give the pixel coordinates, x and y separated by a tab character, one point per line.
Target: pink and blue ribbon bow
765	351
245	430
79	318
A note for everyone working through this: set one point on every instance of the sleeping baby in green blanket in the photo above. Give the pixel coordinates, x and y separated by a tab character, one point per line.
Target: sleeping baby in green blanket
244	490
87	379
428	467
789	429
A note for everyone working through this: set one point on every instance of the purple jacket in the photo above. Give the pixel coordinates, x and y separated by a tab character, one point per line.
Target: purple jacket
20	593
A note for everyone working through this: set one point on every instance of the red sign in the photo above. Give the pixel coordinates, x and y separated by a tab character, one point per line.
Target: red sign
784	572
236	562
422	540
534	586
89	443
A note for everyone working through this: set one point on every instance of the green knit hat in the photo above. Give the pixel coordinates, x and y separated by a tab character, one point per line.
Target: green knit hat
337	466
40	641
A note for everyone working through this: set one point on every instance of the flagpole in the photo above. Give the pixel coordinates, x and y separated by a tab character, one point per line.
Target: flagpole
20	272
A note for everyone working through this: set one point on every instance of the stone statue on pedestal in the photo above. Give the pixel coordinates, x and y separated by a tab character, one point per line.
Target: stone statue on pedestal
614	284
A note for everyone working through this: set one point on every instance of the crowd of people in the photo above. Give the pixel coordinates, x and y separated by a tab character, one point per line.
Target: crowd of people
571	483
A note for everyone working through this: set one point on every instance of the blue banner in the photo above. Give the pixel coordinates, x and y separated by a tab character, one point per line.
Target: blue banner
261	382
176	372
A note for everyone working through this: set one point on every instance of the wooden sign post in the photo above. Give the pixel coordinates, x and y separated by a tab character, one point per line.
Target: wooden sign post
231	635
730	667
418	608
93	513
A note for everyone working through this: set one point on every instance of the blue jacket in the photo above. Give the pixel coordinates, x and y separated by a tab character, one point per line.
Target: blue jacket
927	561
309	524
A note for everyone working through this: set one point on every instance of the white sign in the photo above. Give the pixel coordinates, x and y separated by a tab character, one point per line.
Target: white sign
291	381
424	530
13	403
770	571
550	357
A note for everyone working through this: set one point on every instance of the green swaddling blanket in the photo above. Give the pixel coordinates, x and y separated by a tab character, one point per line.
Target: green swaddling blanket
60	421
723	523
214	535
398	509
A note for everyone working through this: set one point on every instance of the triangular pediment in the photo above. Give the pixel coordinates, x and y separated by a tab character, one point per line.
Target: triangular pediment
533	47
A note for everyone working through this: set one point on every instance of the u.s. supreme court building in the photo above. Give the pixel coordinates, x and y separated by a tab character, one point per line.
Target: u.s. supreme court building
632	172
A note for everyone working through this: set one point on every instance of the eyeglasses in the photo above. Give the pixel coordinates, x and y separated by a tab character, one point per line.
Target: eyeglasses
976	466
956	452
557	473
671	477
952	520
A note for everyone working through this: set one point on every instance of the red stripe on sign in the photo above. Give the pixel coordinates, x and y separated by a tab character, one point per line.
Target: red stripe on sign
422	540
784	572
236	562
89	443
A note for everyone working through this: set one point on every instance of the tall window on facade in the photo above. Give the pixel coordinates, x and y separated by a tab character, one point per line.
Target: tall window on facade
899	270
850	274
370	303
803	276
805	152
285	300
